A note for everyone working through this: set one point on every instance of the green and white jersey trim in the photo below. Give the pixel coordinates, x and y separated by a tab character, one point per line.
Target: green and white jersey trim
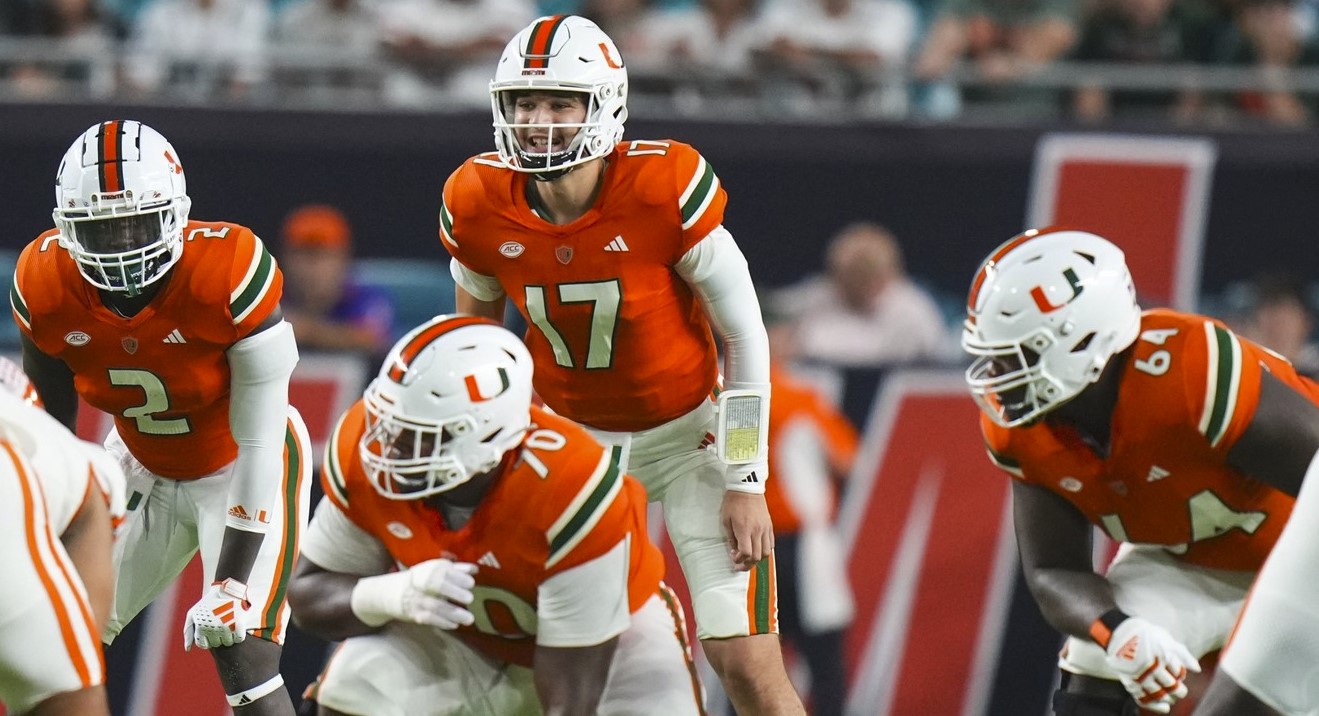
586	509
333	470
446	225
1223	382
256	283
19	304
698	195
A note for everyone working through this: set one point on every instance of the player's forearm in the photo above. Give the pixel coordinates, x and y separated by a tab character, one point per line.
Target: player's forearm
321	603
89	541
1070	601
238	553
465	302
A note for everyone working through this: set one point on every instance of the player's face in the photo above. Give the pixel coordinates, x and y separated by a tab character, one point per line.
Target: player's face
120	234
548	108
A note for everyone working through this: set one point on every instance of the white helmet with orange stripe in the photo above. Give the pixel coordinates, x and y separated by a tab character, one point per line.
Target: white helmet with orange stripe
121	203
559	53
451	399
1046	312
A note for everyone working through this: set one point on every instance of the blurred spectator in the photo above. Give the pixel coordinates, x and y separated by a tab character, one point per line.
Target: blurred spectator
1266	35
310	32
865	311
1141	32
1279	317
328	309
812	446
713	35
447	49
839	46
82	39
210	48
1005	40
345	27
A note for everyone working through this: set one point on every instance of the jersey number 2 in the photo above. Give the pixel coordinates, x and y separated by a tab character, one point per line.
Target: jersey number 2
604	296
157	402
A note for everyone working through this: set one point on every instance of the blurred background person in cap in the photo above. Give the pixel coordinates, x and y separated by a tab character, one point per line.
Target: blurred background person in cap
329	309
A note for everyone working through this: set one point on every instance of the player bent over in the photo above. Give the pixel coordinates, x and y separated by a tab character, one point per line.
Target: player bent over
525	582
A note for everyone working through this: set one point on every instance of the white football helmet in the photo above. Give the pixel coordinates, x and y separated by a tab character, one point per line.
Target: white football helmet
1046	312
451	399
560	53
121	203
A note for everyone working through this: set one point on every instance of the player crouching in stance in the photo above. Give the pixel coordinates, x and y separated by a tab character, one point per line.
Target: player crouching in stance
525	581
1182	441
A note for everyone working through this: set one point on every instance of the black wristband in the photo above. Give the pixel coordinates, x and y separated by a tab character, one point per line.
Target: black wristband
1102	628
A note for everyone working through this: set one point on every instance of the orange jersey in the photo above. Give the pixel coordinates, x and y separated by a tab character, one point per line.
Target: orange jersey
796	403
1187	394
162	374
619	340
561	503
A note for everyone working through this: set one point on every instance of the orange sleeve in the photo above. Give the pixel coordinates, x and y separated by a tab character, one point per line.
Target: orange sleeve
701	197
455	213
840	437
255	281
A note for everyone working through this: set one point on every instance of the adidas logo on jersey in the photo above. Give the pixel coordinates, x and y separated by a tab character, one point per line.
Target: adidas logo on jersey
174	337
617	244
1157	473
238	512
488	560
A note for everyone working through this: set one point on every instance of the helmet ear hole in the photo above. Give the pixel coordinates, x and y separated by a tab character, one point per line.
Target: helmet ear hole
1084	343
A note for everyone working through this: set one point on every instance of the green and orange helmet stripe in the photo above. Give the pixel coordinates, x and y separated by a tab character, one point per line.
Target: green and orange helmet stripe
536	55
426	335
998	255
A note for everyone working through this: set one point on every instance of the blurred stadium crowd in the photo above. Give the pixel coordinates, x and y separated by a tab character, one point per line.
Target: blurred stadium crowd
1193	62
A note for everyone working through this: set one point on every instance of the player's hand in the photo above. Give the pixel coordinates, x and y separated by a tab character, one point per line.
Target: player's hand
221	618
747	528
1151	663
435	593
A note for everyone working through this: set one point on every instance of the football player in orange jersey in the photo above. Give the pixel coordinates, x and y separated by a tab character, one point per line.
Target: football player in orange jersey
616	255
1180	440
525	580
173	327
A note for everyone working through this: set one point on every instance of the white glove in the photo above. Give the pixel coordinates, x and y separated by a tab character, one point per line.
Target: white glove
434	592
221	618
1151	663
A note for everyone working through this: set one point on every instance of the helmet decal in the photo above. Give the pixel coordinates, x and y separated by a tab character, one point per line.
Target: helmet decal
1042	301
473	381
609	60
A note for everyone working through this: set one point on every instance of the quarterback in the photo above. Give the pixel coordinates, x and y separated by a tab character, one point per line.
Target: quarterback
616	255
1179	439
173	327
480	556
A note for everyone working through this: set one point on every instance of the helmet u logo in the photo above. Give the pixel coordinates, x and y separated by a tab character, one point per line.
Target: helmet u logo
1042	300
609	60
477	394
